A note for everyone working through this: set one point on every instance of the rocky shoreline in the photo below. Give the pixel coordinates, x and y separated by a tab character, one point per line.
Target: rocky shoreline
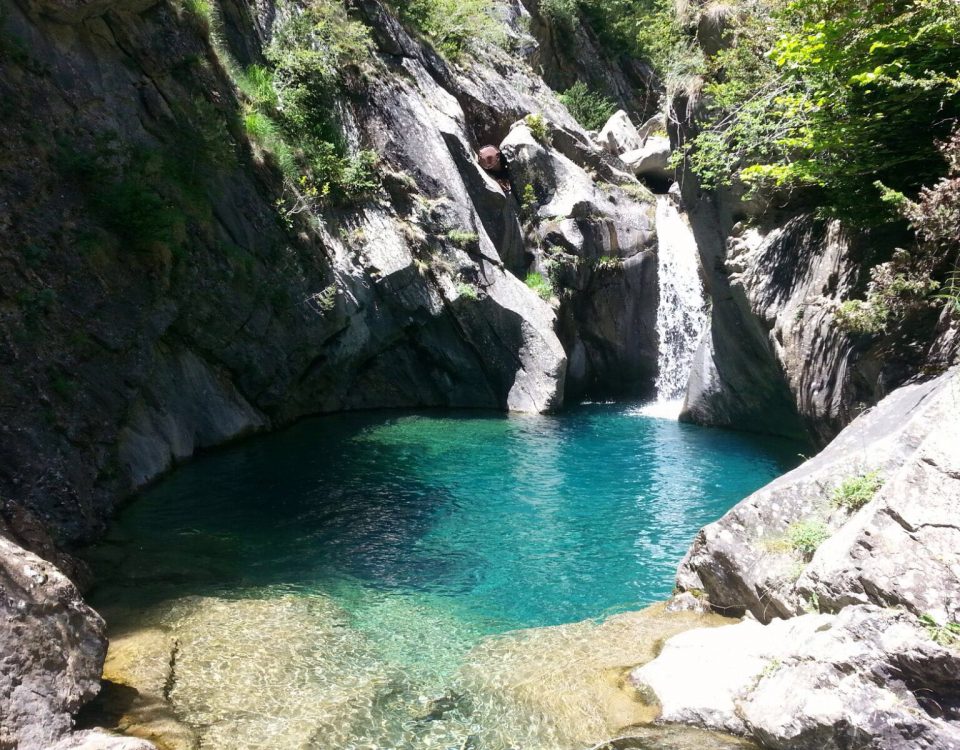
118	362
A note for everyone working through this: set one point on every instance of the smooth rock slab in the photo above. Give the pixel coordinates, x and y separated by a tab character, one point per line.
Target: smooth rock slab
866	678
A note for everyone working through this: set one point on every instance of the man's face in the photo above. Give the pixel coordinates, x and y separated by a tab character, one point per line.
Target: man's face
489	159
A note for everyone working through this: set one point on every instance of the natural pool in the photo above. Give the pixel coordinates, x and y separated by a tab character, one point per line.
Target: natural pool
337	585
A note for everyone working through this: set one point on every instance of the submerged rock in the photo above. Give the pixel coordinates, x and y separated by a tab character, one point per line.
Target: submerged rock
567	685
865	678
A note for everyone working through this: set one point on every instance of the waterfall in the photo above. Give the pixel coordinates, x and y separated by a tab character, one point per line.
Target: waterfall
682	312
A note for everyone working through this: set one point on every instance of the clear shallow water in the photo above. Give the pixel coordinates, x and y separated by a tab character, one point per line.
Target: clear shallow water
419	535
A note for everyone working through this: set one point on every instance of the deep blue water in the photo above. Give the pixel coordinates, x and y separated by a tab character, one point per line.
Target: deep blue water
511	521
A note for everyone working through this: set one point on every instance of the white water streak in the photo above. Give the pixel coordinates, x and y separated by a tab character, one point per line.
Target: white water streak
682	312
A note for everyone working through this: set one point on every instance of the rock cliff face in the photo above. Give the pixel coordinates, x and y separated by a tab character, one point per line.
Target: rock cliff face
141	326
775	360
163	291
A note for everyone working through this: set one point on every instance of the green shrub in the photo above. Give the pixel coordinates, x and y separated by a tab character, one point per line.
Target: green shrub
561	13
855	492
200	10
538	128
947	634
467	290
832	96
805	537
528	202
589	108
463	239
455	27
256	83
291	105
122	190
897	288
540	285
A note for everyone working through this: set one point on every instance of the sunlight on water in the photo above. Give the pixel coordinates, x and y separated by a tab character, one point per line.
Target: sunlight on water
354	582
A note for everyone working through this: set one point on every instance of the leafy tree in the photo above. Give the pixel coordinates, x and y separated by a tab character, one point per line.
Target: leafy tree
835	95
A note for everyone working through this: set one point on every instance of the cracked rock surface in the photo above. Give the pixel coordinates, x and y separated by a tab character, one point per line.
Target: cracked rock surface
902	548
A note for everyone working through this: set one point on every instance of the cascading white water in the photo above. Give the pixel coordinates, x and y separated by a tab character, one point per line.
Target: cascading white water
682	312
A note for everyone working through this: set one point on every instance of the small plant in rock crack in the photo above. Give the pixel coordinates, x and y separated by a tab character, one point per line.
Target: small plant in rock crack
528	203
608	263
855	492
467	290
540	285
946	634
538	128
805	537
462	239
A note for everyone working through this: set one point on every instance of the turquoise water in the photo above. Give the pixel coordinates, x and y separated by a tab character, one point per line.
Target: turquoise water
428	532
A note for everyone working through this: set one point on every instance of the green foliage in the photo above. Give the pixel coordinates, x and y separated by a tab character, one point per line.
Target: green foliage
833	95
455	27
608	263
538	128
200	10
122	189
947	634
540	285
467	291
463	239
589	108
561	13
256	83
855	492
290	109
650	30
528	202
897	288
805	537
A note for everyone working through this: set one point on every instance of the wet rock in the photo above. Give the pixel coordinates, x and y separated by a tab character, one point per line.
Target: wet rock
902	548
52	647
866	678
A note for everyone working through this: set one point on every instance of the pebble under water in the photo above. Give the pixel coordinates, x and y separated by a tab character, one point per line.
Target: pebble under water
353	581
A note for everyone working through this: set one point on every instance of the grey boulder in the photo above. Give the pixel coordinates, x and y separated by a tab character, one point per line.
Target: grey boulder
865	678
901	548
619	135
52	647
652	159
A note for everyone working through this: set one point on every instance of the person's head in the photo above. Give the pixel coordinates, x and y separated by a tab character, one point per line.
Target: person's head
489	158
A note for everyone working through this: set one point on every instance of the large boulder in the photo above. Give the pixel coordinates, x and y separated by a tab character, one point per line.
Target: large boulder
794	544
866	678
619	134
52	648
652	159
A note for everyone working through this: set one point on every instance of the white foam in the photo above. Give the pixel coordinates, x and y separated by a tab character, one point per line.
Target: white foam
659	410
